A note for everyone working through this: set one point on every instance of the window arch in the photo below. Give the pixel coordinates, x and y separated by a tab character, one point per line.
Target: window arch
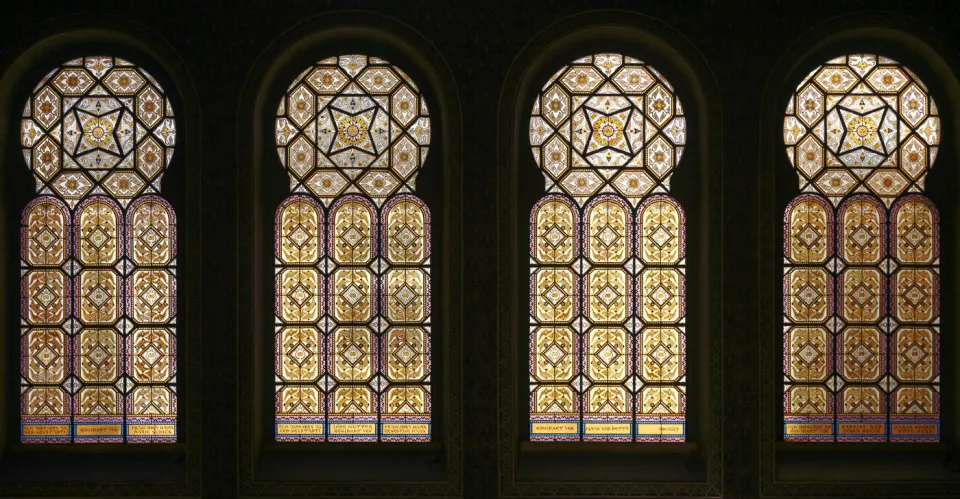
98	258
353	256
607	305
861	256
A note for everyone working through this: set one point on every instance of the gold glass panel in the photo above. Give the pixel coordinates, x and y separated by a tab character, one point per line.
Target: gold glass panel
299	224
99	292
809	293
99	233
406	239
352	233
405	295
556	295
152	355
609	354
661	233
407	355
151	224
99	351
555	350
606	232
45	231
662	350
46	297
555	225
352	294
299	290
352	352
810	238
152	296
608	295
300	352
47	356
662	293
862	232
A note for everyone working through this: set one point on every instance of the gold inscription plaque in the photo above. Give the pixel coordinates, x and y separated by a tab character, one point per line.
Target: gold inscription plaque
353	428
300	428
809	429
406	428
46	430
914	429
152	430
659	429
862	428
107	430
606	428
554	428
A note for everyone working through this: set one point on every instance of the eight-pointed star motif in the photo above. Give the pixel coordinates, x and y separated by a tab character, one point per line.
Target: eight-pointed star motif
608	130
861	130
353	130
98	132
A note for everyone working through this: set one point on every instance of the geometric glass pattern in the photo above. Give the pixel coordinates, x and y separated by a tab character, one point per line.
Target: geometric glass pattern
861	331
352	247
98	258
607	257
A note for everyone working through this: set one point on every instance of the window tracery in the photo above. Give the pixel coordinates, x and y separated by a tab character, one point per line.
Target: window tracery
607	304
861	245
98	258
353	256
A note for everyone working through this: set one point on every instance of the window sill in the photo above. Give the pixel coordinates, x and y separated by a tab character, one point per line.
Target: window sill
614	461
335	461
586	448
94	463
869	461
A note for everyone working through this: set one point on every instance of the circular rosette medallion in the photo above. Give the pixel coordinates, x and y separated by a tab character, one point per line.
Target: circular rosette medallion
97	125
862	123
607	123
352	124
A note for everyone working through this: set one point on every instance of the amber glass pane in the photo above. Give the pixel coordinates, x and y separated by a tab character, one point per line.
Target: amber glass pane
607	302
98	258
353	257
861	281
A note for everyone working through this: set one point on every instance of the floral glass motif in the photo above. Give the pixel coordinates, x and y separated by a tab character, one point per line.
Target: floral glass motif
98	258
861	332
607	257
353	328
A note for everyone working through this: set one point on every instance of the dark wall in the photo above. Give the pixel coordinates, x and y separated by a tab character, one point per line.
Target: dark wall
219	42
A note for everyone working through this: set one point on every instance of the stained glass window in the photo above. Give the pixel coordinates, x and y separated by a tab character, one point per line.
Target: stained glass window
98	258
607	260
352	257
861	330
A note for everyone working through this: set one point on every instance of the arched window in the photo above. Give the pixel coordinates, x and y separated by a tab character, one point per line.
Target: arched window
861	330
607	301
352	256
98	258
